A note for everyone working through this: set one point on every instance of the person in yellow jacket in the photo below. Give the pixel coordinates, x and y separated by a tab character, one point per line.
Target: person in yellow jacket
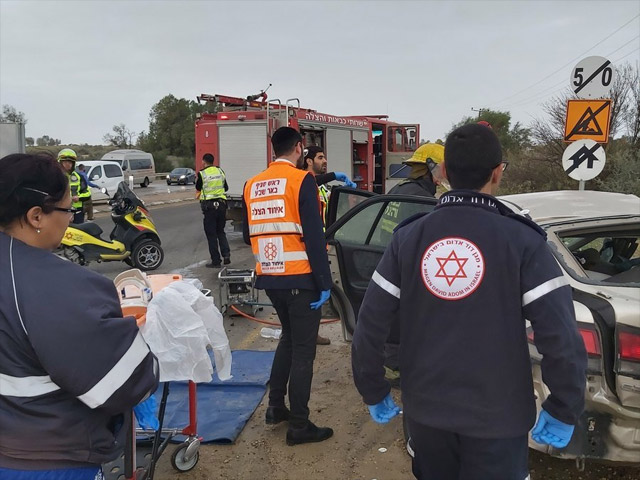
212	185
284	228
67	159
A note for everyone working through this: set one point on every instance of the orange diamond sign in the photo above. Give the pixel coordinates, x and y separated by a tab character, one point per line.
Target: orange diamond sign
587	120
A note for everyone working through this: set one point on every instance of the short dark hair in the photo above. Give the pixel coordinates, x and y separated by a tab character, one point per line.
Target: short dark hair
310	152
471	152
28	181
284	140
208	158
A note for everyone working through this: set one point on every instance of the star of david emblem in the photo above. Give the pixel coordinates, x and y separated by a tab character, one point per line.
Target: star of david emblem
452	258
270	251
68	236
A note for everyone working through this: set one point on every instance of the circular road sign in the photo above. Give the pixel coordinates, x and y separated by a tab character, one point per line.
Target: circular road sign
583	159
593	77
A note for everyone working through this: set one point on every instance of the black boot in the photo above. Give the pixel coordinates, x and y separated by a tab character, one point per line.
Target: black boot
308	434
276	415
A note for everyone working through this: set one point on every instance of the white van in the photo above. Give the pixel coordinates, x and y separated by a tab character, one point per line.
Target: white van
104	174
134	162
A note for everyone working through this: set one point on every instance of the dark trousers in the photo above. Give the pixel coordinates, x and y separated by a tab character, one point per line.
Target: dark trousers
442	455
293	361
215	218
87	208
78	217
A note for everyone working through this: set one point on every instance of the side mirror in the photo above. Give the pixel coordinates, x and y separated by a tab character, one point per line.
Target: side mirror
124	168
104	190
95	177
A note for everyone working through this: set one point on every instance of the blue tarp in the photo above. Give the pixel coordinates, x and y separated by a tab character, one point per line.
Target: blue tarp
223	407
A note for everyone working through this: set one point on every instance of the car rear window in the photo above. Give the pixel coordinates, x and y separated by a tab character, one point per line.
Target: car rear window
607	256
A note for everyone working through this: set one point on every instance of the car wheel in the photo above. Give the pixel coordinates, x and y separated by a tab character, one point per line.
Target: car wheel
147	255
145	183
168	182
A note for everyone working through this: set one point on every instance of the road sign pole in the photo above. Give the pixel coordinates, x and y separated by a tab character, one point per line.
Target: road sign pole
581	185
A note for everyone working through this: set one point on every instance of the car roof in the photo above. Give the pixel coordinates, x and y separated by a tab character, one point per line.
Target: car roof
91	163
567	205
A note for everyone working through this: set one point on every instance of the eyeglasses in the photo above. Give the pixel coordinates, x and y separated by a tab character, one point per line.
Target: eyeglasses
504	164
70	211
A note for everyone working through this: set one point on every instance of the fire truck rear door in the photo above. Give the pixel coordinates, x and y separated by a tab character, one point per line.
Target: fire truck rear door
243	153
339	150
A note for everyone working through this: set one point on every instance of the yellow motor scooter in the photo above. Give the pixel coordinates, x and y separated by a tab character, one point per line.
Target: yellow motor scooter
134	238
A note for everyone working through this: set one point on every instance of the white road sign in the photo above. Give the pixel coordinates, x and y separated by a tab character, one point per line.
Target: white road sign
593	77
583	160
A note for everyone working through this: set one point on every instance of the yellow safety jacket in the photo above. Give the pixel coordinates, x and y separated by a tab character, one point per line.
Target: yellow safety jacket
212	184
324	192
272	199
74	186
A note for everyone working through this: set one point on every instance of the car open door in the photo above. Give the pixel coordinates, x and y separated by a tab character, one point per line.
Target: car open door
360	226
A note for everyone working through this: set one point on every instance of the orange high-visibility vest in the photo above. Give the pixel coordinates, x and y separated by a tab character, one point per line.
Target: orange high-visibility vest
272	200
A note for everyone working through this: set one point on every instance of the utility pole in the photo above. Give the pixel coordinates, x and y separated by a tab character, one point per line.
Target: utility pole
479	110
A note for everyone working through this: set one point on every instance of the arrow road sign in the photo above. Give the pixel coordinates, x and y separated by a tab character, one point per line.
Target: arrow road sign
583	160
592	77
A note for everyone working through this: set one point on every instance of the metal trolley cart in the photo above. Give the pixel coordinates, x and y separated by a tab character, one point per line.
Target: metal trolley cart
133	287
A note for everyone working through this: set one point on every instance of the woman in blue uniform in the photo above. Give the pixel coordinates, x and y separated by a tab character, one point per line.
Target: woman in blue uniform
70	364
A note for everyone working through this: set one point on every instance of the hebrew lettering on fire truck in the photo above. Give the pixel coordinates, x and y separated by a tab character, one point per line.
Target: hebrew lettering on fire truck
368	148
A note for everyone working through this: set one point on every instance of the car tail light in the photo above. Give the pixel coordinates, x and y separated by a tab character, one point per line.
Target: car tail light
591	341
629	345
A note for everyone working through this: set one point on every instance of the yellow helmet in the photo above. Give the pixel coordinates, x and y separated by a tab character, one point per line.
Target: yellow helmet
67	154
431	154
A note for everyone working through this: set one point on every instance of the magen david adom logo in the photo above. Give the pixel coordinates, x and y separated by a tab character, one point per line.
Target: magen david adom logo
452	268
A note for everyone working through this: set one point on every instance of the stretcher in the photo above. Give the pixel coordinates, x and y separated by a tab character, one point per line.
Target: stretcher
136	289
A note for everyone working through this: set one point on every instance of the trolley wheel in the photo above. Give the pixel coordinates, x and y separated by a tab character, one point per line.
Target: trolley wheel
179	462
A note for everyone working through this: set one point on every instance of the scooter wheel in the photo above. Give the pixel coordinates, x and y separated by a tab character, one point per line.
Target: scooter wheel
147	255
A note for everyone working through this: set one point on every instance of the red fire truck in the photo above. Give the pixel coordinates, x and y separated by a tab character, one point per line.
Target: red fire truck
368	148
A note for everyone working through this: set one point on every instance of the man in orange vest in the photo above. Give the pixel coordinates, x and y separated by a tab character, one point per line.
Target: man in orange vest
283	225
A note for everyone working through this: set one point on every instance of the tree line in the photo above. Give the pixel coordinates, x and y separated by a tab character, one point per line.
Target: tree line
534	152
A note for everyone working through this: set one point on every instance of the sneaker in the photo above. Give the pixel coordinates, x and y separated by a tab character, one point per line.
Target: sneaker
322	341
308	434
227	260
213	265
276	415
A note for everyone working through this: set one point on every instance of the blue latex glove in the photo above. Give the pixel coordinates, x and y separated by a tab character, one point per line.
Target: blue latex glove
385	410
324	296
549	431
145	413
342	177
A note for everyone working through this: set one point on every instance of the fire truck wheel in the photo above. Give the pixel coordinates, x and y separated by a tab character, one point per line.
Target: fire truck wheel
178	460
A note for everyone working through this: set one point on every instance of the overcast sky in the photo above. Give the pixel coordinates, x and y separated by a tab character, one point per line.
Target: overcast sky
76	68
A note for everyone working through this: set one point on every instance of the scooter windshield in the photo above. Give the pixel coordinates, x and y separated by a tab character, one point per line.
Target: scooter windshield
125	196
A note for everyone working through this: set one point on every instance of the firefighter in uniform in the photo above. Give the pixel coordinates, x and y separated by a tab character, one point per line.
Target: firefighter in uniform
212	185
284	228
315	162
462	280
424	177
67	159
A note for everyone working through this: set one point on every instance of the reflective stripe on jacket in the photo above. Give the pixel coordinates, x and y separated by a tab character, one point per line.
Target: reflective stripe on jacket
273	217
212	184
74	186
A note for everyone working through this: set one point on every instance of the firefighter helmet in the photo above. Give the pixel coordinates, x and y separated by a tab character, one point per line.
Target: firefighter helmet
431	154
67	154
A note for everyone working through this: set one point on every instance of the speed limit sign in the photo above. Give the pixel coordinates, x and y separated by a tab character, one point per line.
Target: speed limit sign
592	77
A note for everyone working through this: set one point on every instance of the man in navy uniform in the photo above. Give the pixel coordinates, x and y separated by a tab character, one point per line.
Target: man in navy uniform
461	281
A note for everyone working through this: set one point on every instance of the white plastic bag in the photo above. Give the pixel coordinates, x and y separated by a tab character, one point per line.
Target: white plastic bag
181	322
